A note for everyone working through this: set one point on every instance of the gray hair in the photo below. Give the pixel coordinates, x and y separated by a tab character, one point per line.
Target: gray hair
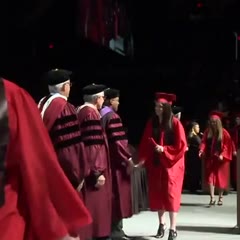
92	98
56	88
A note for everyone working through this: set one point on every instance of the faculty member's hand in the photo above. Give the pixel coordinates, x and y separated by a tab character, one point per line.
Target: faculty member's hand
140	164
130	166
100	181
220	157
79	188
201	154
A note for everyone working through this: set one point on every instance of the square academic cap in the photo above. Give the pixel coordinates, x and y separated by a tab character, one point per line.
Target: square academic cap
111	93
165	97
177	109
57	76
216	114
93	89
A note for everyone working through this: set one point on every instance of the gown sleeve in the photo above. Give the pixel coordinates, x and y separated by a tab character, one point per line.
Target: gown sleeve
175	152
94	143
118	139
227	146
54	207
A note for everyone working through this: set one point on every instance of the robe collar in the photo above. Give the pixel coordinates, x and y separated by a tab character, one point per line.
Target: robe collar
105	110
87	104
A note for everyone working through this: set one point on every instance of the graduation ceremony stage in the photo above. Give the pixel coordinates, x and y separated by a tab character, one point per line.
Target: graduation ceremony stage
195	221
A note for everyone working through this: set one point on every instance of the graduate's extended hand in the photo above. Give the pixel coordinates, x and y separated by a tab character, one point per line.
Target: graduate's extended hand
220	157
159	149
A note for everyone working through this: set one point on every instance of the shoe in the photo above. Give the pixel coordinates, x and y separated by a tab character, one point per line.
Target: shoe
220	201
212	202
117	234
161	231
172	235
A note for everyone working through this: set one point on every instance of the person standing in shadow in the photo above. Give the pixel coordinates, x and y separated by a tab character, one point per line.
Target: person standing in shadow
193	162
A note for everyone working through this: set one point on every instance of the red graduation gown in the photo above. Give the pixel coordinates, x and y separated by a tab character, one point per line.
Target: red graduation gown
40	203
119	157
98	201
217	171
60	118
165	180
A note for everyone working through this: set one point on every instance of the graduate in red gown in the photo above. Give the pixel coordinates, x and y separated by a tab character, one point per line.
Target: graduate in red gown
216	150
97	189
60	118
162	149
36	199
121	161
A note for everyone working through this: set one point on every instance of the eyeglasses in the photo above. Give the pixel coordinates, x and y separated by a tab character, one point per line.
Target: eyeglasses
70	84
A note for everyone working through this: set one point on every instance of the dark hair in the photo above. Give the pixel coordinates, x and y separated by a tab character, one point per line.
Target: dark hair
167	116
166	125
192	124
219	130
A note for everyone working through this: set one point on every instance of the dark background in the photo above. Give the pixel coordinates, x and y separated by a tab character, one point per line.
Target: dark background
179	46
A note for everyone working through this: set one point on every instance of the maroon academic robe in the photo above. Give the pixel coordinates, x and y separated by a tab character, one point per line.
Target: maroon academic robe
40	203
60	118
217	171
119	157
165	170
98	201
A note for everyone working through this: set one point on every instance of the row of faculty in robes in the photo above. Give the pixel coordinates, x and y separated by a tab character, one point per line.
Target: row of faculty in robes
92	149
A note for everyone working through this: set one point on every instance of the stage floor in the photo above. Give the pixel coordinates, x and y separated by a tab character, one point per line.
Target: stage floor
196	221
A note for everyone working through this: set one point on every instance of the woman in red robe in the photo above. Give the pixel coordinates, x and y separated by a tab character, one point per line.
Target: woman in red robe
162	149
36	199
216	149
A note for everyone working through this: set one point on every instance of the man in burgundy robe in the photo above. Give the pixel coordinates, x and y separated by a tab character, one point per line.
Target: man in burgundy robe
60	118
36	199
162	149
216	149
97	189
121	161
